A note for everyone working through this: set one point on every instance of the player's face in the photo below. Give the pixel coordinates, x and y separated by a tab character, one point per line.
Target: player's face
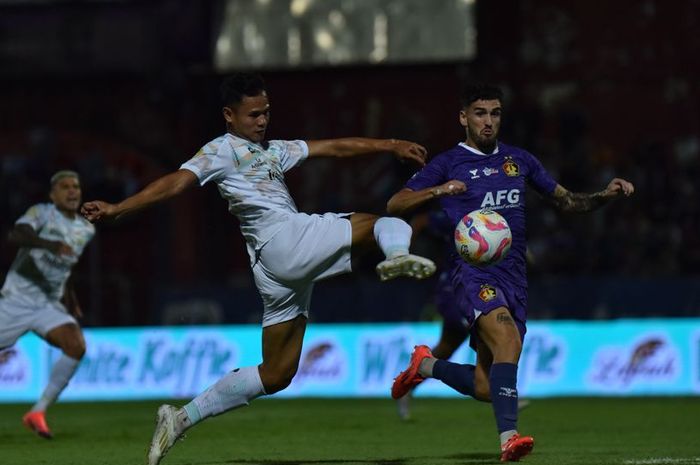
482	121
249	119
66	194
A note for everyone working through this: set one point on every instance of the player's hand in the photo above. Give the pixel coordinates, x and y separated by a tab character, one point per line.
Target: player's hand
452	187
409	151
61	249
98	210
619	187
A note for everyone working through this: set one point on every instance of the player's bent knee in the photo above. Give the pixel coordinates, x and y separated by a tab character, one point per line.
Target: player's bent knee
276	380
74	349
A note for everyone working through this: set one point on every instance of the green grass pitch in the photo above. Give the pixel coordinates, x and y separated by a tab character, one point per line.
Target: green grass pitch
632	431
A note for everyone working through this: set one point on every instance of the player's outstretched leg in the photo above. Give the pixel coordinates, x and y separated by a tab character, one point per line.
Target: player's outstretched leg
235	389
167	432
410	265
393	236
69	338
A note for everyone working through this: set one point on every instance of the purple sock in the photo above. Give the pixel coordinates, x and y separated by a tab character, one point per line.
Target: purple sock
458	377
504	395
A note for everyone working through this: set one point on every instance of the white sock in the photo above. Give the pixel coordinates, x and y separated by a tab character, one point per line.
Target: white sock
507	435
236	389
393	236
61	373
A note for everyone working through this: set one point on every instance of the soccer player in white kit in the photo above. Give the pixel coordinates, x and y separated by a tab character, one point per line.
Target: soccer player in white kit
37	294
289	251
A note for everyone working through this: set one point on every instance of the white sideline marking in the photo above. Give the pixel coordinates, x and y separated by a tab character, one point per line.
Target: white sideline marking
662	461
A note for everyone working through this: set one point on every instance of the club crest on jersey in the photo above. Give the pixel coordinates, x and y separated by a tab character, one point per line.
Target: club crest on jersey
510	167
487	293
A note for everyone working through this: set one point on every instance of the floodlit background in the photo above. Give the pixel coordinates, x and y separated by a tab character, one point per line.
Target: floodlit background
125	91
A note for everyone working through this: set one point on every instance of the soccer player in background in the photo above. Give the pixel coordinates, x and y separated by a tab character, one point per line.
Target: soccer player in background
38	294
289	251
484	173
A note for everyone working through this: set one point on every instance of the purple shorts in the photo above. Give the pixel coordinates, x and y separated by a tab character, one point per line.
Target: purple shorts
476	295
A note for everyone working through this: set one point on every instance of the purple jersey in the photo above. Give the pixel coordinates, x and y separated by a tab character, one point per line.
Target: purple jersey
497	182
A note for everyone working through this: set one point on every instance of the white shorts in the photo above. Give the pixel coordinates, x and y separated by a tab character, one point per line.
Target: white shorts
308	248
17	317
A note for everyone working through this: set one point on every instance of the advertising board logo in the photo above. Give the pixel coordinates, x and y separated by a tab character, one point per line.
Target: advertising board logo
186	366
323	362
649	360
543	359
13	367
157	363
382	358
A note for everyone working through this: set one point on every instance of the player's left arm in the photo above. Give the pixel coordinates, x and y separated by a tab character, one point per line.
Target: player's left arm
353	146
568	201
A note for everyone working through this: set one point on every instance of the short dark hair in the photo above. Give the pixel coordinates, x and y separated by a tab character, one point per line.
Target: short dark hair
472	92
240	85
57	176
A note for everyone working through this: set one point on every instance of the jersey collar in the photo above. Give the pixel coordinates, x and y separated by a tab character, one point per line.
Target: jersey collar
478	152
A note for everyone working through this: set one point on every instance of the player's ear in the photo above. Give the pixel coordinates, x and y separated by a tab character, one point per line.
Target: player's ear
463	118
228	114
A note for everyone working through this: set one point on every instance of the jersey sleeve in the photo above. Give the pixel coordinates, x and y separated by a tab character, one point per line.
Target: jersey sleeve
291	152
209	163
539	177
432	174
36	217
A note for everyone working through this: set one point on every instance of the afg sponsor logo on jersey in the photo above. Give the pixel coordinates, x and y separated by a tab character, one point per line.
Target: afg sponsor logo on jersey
504	198
323	362
651	359
14	368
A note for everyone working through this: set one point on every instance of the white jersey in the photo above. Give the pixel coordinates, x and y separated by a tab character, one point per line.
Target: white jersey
250	177
37	275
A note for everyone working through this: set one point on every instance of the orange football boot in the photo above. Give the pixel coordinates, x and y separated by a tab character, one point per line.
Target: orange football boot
36	422
409	378
516	447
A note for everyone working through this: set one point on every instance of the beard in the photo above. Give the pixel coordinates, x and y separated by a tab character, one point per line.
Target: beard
484	144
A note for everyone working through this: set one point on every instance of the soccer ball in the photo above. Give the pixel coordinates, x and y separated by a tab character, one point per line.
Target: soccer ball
483	237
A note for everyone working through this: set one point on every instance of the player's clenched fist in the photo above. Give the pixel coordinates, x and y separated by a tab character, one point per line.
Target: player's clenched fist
452	187
619	187
97	210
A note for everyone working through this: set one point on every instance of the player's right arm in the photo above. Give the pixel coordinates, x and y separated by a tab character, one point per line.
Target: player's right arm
23	235
159	190
406	200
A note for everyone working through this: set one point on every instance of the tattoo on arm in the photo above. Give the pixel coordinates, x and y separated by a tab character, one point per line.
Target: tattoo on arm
505	319
577	202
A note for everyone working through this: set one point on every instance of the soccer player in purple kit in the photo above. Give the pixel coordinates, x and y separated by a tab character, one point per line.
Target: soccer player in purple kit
454	330
484	173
